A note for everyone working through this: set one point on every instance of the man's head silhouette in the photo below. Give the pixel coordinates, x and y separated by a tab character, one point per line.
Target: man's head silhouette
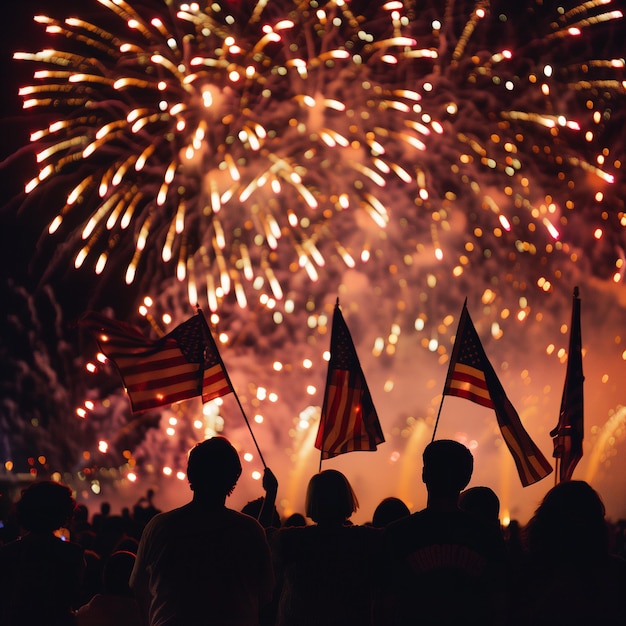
213	468
448	467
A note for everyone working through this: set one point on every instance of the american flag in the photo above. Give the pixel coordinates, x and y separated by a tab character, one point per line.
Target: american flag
568	433
183	364
466	377
471	376
349	421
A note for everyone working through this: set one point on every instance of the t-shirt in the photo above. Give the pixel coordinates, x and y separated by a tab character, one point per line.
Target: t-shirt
40	578
327	574
197	566
444	568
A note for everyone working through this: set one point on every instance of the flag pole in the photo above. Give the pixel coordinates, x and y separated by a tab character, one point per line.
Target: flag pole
219	356
568	433
557	471
450	365
322	415
438	416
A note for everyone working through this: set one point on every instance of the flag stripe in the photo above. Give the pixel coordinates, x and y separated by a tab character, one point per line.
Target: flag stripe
518	455
468	382
154	401
151	360
348	421
530	467
185	375
468	394
344	430
183	364
141	394
167	375
345	419
214	383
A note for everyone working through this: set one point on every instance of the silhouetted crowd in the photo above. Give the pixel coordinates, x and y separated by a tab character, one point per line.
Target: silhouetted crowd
204	564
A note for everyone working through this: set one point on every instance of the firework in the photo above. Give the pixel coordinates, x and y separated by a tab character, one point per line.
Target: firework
245	142
267	156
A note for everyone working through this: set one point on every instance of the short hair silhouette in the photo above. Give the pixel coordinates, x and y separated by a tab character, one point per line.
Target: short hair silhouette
45	506
481	502
330	498
116	573
448	466
213	468
389	510
295	519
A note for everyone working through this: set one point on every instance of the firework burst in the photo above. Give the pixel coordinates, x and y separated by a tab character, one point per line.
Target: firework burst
246	142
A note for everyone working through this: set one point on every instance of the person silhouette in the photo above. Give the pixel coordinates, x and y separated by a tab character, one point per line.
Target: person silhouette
115	605
99	518
204	563
571	575
481	501
444	566
295	519
41	573
389	510
145	508
326	570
